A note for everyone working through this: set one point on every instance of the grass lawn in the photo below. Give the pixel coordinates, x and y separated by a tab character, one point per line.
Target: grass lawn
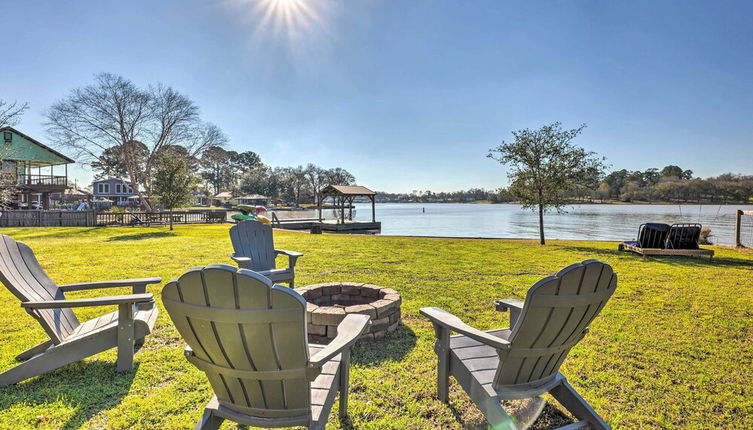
672	349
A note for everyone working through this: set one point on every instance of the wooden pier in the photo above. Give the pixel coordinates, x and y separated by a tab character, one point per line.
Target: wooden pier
315	225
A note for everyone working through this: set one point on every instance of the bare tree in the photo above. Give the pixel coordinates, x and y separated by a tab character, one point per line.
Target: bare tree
316	176
10	113
114	121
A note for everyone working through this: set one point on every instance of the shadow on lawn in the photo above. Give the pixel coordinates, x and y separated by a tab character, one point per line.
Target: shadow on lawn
141	236
699	261
393	347
88	388
550	418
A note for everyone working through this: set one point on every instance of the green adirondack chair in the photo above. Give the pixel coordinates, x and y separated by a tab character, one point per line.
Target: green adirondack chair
249	336
71	340
254	247
523	361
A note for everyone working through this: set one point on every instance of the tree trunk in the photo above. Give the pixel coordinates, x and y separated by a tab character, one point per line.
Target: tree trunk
541	225
170	214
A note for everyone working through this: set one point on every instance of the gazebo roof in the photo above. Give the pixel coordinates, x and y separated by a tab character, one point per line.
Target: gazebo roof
347	190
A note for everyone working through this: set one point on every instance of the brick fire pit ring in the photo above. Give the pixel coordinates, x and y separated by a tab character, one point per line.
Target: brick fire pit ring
329	303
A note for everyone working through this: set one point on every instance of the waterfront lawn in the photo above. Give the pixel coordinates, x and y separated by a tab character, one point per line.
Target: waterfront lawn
673	349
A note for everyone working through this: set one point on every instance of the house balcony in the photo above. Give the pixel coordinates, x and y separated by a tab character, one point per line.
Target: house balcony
42	182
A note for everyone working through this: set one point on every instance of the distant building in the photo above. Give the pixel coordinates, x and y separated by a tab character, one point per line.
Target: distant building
118	191
222	199
28	170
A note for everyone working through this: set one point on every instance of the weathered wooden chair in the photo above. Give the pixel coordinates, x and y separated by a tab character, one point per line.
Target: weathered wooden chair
523	361
249	337
254	247
70	340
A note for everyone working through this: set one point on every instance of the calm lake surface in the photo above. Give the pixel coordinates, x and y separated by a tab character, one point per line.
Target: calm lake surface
597	222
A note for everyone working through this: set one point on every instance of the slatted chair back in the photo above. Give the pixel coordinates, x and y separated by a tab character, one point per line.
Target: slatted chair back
684	236
22	274
555	317
652	235
254	239
249	337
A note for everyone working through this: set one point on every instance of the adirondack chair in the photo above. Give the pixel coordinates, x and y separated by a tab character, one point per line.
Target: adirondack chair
71	340
249	337
523	361
254	247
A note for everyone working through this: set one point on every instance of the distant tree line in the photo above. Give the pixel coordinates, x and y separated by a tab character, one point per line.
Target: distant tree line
672	184
461	196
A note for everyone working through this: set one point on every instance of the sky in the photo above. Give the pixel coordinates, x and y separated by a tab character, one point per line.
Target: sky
411	95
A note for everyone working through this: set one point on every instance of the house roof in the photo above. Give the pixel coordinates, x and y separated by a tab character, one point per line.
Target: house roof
38	143
224	195
347	190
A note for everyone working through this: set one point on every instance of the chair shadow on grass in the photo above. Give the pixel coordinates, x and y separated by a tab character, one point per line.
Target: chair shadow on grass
550	418
141	236
694	261
395	346
87	387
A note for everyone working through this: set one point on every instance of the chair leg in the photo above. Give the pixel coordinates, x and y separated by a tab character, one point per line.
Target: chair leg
344	382
126	337
42	363
34	350
442	348
573	402
209	421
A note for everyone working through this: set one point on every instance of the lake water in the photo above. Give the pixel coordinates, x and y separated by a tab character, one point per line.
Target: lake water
598	222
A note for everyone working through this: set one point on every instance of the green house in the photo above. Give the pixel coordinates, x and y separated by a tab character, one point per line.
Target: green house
33	170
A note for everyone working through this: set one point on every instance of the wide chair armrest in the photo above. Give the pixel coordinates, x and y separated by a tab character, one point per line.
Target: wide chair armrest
292	256
138	284
348	332
93	301
515	307
449	321
242	262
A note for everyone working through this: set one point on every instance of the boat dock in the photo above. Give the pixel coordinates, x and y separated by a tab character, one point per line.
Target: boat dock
316	226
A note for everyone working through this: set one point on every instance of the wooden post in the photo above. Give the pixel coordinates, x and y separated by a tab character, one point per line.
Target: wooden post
320	199
350	209
737	228
342	209
373	209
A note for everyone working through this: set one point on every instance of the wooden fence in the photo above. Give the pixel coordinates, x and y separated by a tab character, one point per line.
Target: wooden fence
102	219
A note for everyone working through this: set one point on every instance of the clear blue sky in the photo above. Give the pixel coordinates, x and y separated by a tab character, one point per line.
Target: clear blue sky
411	94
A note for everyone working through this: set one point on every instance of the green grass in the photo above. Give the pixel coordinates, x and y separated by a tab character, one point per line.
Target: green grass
673	348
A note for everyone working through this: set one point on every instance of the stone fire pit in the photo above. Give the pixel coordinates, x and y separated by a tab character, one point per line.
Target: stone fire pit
329	303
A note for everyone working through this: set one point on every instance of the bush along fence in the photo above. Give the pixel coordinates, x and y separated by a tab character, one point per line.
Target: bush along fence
103	219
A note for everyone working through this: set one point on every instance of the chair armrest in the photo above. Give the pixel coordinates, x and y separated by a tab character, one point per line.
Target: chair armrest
447	320
93	301
292	256
135	283
348	332
515	307
242	262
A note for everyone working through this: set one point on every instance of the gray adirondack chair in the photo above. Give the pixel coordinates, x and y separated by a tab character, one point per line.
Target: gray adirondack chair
523	361
71	340
254	247
249	337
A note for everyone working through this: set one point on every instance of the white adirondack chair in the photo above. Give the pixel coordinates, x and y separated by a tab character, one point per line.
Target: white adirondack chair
249	337
523	361
71	340
254	247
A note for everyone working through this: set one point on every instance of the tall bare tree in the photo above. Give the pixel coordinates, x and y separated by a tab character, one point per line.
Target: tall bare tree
10	113
114	121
